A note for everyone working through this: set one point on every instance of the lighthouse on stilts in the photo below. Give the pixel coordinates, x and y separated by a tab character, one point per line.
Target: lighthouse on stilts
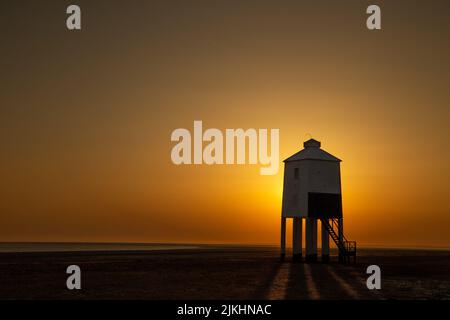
312	195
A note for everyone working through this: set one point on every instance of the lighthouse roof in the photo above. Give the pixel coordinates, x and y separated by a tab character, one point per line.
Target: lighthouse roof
312	151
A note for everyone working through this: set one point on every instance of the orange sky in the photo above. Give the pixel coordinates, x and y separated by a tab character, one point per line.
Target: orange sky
86	117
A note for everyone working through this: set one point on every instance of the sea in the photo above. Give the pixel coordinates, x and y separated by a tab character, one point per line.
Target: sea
6	247
71	247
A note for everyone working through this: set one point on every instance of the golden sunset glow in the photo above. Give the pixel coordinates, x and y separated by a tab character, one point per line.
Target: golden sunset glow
87	118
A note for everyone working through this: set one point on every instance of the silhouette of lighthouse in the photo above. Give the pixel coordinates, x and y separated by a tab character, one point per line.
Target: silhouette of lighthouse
312	193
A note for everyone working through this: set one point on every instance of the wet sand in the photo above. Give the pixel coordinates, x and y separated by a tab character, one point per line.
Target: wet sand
222	273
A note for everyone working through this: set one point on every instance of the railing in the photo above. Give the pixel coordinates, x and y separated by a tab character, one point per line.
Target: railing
348	247
351	246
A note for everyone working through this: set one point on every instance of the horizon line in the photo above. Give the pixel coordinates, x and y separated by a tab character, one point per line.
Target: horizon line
365	246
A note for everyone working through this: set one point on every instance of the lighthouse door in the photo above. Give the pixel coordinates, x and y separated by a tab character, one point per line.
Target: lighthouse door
324	205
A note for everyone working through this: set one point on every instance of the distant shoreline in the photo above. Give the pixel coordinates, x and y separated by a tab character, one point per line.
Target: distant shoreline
19	247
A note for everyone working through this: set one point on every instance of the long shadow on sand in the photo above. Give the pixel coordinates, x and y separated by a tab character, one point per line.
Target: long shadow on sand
297	286
264	290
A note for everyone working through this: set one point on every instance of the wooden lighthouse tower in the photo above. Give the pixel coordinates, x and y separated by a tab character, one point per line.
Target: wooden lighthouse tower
312	194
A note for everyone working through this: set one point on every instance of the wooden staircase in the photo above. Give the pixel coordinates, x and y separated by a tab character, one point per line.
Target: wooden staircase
347	249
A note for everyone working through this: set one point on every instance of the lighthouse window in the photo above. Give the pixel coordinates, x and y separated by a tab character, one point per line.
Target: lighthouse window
296	174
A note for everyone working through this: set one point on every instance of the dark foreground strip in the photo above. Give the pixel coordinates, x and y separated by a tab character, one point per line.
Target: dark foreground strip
227	309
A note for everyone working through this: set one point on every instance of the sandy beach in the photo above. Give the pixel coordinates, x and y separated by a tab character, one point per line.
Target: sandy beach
222	273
